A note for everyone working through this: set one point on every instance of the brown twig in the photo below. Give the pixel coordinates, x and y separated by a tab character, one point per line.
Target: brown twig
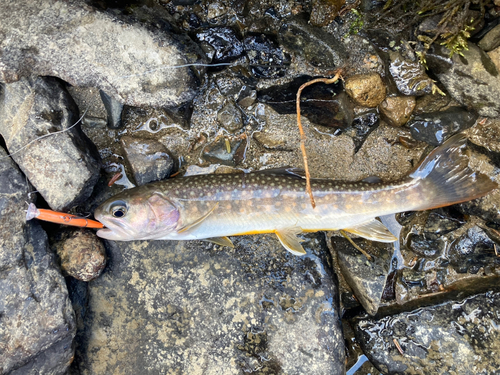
368	256
302	134
400	350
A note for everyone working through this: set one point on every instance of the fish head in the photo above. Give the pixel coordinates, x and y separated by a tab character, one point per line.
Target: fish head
137	215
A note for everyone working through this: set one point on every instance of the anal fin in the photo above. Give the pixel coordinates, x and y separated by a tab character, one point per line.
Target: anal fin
372	230
222	241
290	241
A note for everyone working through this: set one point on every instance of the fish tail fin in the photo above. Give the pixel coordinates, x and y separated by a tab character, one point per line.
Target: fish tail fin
444	176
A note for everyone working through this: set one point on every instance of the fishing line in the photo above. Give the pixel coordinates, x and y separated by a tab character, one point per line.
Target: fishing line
45	136
174	67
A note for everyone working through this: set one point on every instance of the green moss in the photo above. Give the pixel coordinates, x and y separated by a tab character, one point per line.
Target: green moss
453	28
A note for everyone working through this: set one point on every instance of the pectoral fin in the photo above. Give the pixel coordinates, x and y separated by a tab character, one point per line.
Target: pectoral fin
197	221
290	241
372	230
222	241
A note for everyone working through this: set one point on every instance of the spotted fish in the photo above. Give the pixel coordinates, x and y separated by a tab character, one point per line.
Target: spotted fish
214	207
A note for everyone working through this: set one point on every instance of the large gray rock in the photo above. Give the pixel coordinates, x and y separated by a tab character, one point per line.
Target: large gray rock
471	79
36	318
192	308
367	278
63	167
453	338
85	47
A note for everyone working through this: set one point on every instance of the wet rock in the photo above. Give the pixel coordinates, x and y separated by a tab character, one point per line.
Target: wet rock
63	167
266	58
322	104
36	319
367	278
473	246
495	57
491	40
200	308
324	12
486	207
409	75
230	117
436	127
471	79
87	47
149	159
82	254
364	124
220	44
456	335
431	103
396	110
114	110
317	46
227	151
366	90
443	257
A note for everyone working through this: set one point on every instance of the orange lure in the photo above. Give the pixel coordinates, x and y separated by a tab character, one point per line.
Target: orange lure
60	218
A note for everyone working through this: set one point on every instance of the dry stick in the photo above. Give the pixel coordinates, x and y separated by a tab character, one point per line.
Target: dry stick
302	134
368	256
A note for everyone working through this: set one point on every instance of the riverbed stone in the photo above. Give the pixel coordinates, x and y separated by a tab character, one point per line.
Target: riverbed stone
454	337
491	40
317	46
396	110
471	78
436	127
149	159
88	47
63	167
194	307
36	318
81	254
366	90
366	277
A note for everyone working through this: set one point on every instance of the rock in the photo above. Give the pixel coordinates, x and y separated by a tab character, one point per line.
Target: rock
495	57
366	90
409	75
87	47
205	309
444	256
396	110
230	117
322	104
114	110
486	134
436	127
227	151
317	46
432	103
36	319
63	167
266	58
364	124
82	254
486	207
491	40
220	44
454	335
149	159
324	12
471	79
367	278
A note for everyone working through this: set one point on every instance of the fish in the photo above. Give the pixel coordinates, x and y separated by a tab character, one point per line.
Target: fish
217	206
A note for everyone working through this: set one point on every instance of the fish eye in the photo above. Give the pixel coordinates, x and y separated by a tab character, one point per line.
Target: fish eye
119	210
